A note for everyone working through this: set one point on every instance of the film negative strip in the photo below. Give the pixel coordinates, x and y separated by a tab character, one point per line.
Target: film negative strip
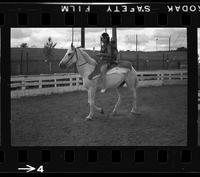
99	87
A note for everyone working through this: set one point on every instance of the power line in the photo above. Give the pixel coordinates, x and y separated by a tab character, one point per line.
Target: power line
168	37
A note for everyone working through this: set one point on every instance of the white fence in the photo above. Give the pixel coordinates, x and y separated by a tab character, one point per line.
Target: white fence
59	83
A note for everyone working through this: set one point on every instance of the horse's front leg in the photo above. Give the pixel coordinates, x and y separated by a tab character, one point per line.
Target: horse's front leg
134	108
91	101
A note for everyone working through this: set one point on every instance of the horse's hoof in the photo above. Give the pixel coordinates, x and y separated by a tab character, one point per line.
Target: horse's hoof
102	112
113	113
88	118
135	113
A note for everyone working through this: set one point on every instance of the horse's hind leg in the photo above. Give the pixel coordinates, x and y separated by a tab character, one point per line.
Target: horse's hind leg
118	102
134	107
131	81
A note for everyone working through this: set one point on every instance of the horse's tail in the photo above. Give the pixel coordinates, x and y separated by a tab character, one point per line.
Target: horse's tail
135	81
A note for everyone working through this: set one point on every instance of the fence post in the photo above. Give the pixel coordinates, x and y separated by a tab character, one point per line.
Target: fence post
181	75
170	76
23	85
161	76
55	85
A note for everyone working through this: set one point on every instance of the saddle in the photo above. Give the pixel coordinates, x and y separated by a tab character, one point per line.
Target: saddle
121	64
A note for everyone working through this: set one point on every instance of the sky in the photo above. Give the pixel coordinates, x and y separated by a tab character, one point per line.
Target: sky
149	39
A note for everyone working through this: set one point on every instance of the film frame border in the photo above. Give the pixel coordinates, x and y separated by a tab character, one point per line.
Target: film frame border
124	158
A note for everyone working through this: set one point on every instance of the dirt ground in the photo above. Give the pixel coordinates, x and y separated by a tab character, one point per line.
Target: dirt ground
59	119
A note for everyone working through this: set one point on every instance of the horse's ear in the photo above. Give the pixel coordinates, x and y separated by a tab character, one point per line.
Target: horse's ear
72	46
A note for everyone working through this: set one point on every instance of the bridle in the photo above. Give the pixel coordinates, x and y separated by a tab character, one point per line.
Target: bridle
75	52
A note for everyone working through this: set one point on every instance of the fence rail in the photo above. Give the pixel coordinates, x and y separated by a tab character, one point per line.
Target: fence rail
60	83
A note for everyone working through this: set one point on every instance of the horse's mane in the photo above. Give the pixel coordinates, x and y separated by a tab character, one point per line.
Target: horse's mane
85	55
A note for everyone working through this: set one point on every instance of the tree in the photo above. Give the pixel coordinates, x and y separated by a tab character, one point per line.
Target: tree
49	52
181	49
24	45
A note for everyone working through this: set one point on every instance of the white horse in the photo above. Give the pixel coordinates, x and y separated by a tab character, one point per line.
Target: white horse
114	78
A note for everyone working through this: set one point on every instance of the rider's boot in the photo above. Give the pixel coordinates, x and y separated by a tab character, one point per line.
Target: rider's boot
91	75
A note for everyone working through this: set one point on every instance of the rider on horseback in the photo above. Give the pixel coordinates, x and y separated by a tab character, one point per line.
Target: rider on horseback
108	56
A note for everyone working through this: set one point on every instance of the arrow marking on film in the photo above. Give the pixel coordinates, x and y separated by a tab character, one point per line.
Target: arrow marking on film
29	169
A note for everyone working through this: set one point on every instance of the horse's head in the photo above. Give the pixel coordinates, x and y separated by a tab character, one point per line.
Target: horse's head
69	58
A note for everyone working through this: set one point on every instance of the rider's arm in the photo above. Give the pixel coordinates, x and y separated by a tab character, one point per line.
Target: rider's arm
108	54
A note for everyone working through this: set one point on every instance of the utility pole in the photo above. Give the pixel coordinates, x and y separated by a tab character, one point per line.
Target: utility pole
72	35
137	59
114	35
83	37
136	43
167	37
